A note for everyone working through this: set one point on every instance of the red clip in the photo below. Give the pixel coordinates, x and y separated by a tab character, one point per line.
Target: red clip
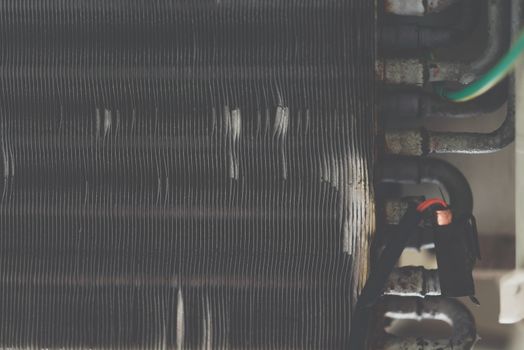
422	207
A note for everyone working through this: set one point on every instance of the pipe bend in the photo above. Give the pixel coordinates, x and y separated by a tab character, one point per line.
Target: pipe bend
498	39
422	142
451	311
409	104
477	143
413	170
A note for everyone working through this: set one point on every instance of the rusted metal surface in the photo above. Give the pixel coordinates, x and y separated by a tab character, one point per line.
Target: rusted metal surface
401	71
405	7
416	7
451	311
405	142
415	281
395	210
446	71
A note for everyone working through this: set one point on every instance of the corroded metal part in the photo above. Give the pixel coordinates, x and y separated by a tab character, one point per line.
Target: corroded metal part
451	311
409	142
405	7
401	71
395	210
416	7
413	281
446	71
406	142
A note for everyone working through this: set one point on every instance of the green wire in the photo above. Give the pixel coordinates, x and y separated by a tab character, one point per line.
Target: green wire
488	80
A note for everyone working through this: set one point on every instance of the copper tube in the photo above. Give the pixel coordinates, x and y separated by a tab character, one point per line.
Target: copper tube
444	217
